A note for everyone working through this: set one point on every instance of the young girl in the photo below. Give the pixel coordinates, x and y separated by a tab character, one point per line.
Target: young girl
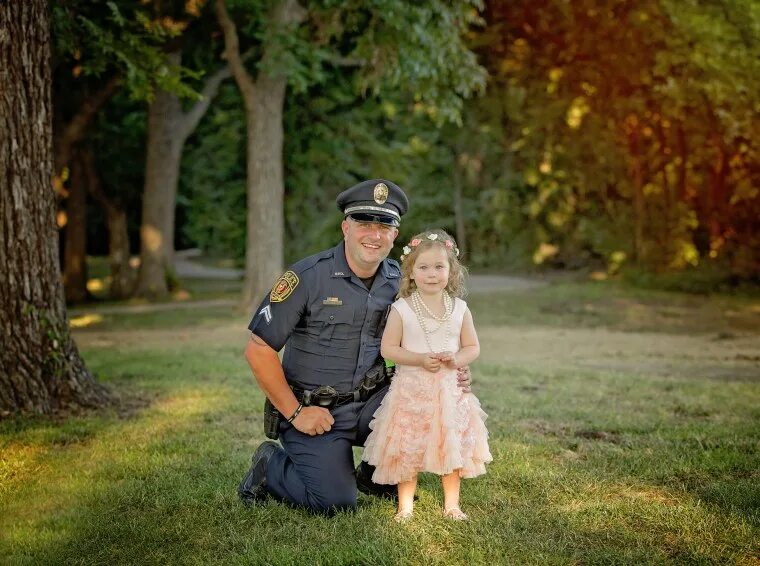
426	423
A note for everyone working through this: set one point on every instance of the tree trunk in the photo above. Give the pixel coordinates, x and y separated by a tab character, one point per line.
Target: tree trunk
118	239
264	100
122	276
75	242
265	185
164	148
168	130
637	176
40	368
187	122
717	193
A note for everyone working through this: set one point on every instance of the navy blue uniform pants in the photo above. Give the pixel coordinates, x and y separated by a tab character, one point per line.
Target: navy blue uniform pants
317	472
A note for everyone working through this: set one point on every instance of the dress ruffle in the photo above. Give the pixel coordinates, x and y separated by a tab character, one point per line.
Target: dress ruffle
426	423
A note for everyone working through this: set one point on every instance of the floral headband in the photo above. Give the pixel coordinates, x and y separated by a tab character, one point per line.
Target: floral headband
433	236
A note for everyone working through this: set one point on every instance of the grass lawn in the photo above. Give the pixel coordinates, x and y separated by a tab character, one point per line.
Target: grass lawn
625	427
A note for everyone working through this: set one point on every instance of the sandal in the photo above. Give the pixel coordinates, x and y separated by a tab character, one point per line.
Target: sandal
455	514
403	516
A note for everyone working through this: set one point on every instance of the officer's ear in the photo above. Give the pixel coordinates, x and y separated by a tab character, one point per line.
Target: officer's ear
344	227
395	234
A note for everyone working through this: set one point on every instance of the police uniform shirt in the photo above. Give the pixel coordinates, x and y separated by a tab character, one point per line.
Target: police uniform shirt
330	323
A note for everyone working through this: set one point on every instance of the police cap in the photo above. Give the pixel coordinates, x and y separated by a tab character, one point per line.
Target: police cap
376	200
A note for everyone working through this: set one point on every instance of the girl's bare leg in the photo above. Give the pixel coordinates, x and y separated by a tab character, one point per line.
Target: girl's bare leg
451	484
406	498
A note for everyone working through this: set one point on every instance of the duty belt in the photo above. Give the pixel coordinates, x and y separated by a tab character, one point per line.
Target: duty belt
328	397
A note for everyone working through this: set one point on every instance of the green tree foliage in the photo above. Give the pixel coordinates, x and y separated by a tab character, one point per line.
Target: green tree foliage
621	131
118	36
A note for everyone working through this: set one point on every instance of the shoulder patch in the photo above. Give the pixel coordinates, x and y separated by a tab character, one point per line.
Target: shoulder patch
284	287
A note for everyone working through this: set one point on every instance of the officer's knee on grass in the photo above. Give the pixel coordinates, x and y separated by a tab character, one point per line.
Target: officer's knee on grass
329	504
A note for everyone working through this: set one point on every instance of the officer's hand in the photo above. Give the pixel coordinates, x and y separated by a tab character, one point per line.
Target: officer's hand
313	421
431	363
464	379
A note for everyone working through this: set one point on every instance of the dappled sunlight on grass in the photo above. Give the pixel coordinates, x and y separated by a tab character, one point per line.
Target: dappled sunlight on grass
17	461
48	480
85	320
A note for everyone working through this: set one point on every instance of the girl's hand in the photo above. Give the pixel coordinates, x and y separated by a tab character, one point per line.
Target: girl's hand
431	363
447	358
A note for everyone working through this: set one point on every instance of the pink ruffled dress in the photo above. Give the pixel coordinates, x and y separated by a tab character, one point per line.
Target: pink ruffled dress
426	423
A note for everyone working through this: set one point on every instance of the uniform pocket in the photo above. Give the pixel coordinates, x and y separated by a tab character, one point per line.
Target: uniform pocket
333	322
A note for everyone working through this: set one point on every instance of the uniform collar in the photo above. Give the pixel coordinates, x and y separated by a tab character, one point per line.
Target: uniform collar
340	264
341	268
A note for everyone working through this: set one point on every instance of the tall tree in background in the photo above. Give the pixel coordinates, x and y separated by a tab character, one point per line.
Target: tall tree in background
417	48
263	98
40	367
168	129
169	126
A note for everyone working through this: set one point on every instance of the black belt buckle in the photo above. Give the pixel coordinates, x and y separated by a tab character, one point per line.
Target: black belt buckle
324	396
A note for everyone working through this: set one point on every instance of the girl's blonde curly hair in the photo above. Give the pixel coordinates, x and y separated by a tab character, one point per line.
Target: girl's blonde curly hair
424	241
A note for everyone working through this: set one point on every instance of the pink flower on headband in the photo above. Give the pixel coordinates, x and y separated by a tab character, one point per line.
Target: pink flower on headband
416	242
449	244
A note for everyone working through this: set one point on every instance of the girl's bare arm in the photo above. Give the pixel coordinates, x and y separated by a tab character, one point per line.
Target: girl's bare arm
390	347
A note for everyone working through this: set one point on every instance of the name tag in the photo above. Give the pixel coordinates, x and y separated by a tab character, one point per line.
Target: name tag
332	301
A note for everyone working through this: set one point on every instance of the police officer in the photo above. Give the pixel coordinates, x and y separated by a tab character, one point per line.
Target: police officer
329	311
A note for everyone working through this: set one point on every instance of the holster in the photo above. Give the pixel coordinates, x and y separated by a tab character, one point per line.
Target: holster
271	420
379	375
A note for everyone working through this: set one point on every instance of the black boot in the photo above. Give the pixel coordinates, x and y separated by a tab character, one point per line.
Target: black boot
254	485
364	483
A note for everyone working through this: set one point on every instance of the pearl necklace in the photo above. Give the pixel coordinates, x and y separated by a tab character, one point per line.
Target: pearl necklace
444	320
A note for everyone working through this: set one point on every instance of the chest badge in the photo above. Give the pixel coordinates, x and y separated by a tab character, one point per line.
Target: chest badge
284	286
332	301
381	193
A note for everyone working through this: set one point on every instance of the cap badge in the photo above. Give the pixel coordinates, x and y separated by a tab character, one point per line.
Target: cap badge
381	193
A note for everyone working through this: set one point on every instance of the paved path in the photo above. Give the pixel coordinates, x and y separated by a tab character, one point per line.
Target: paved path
186	268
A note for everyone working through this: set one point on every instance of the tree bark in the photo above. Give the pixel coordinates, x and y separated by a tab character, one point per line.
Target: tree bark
75	241
40	368
118	238
168	130
264	99
163	148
